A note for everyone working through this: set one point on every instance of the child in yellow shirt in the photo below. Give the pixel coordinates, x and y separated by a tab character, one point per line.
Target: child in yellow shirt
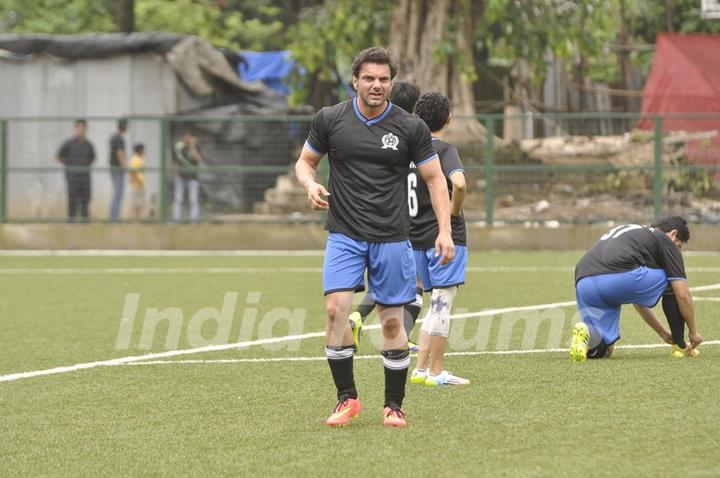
137	180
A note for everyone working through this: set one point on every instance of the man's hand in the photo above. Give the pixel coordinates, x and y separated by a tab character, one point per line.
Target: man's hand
315	193
695	339
445	248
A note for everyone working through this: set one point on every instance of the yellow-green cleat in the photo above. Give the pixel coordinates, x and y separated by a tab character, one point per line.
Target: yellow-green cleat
356	326
688	351
580	339
418	376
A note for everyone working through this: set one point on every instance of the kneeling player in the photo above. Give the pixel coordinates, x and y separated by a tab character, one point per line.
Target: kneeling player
443	281
638	265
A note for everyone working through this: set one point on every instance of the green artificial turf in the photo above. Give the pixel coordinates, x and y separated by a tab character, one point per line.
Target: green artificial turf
640	413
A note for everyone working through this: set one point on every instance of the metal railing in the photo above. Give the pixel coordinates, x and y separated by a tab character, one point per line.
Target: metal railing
549	168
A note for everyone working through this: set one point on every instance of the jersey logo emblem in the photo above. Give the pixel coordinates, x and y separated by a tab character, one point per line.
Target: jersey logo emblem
390	141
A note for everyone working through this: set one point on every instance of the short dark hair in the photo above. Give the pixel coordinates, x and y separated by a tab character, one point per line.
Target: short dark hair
405	94
122	124
80	121
376	54
139	147
434	109
668	223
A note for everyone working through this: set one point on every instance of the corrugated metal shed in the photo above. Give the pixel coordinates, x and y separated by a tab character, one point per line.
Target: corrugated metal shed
41	86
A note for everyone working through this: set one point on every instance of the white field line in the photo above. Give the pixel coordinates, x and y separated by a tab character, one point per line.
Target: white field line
257	270
153	253
237	345
706	299
703	288
201	253
378	356
160	270
290	338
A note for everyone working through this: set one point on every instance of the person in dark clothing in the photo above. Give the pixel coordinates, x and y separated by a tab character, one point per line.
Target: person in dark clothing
118	163
77	154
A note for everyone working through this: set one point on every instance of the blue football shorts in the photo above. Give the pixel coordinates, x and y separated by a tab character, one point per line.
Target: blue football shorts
433	275
599	298
390	267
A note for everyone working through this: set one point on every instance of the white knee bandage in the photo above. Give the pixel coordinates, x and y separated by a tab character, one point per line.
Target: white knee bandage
437	319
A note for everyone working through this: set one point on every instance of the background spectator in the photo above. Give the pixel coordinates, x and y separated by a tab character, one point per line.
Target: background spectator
77	154
186	161
118	162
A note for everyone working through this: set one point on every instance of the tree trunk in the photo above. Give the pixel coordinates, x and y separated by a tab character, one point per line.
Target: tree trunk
125	15
417	29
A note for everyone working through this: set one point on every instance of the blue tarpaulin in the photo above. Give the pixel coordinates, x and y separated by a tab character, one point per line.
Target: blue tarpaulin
270	67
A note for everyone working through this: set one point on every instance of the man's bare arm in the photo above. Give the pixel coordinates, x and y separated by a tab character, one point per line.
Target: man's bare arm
305	172
122	159
651	319
458	192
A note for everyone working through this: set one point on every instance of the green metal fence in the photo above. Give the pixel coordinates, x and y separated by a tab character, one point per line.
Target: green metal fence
532	169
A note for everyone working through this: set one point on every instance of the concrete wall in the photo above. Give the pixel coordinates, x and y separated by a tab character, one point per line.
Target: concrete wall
261	236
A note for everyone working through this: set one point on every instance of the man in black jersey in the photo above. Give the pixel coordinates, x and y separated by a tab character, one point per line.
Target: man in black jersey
634	264
404	94
370	144
434	109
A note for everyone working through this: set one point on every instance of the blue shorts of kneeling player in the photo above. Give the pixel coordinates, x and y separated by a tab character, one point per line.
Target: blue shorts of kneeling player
599	298
433	275
390	267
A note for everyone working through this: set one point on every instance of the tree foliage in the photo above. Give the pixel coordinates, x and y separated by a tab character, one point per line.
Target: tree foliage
233	24
328	36
56	16
527	29
324	35
588	29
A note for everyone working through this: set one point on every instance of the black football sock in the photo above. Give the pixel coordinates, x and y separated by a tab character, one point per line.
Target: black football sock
340	360
412	311
396	363
598	352
365	307
674	319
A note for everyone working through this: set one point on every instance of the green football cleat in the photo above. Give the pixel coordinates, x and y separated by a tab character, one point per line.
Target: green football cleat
356	326
580	339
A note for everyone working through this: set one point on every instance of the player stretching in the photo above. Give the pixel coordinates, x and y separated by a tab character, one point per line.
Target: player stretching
633	264
370	145
443	281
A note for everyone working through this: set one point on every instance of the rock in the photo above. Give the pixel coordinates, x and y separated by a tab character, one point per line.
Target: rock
541	206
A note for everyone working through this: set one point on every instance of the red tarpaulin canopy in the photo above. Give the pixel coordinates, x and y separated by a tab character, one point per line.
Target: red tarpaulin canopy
685	78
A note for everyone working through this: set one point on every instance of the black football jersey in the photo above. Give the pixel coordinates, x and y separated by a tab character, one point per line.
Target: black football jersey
369	161
423	223
628	247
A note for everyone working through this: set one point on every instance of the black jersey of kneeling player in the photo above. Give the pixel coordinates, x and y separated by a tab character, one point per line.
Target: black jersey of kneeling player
625	248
